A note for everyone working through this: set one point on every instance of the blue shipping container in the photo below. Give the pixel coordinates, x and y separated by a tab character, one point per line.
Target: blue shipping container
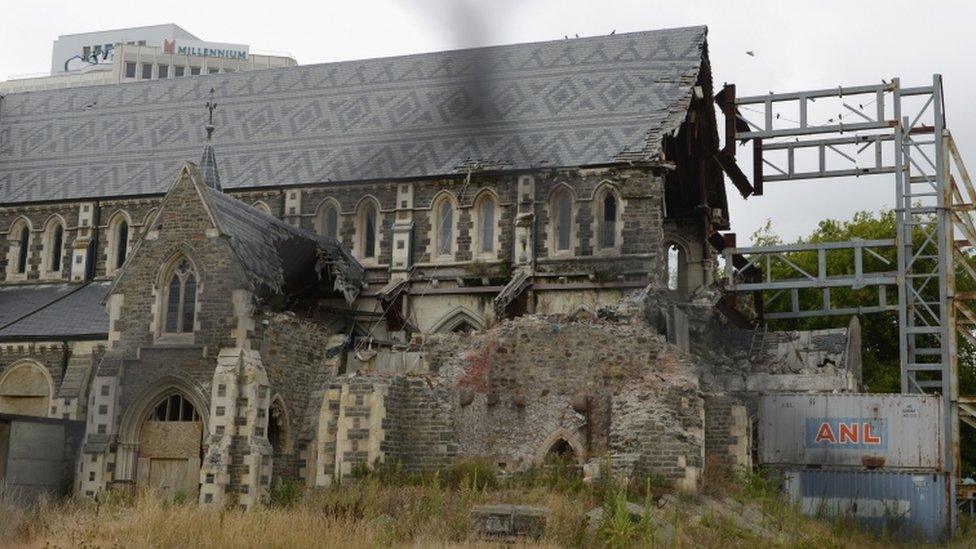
905	505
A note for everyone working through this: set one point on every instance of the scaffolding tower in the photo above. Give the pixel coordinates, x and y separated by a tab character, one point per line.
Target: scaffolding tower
873	130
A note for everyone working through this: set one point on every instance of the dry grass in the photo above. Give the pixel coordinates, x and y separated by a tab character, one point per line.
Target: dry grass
384	510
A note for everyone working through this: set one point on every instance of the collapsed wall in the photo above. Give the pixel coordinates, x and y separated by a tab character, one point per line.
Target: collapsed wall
530	387
617	387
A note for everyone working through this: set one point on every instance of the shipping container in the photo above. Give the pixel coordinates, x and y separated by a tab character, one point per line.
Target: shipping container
904	505
874	431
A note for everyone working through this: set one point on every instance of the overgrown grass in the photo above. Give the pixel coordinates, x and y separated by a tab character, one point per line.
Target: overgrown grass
385	507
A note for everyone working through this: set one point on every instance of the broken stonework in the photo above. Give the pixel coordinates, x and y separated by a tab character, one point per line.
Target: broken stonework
509	521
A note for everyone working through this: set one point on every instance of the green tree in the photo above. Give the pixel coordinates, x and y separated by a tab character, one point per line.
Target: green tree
879	331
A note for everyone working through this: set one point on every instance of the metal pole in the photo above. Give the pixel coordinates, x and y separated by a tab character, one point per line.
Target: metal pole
904	248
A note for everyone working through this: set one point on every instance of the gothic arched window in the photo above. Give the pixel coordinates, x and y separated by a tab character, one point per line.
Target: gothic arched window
485	232
121	243
24	248
57	245
174	408
444	228
181	298
607	218
328	220
118	242
368	221
53	246
562	220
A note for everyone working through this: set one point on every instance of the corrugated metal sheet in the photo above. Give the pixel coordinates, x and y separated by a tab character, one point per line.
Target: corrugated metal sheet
904	505
856	430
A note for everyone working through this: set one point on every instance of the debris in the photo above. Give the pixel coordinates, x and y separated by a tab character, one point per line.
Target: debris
509	522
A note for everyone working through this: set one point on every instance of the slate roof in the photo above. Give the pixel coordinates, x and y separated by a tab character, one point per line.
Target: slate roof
279	256
53	311
577	102
208	167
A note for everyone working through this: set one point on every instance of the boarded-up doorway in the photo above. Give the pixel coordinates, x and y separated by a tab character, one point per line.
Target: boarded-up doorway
170	449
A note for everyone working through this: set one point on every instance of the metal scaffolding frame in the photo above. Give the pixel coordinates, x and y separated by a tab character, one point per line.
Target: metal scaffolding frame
935	226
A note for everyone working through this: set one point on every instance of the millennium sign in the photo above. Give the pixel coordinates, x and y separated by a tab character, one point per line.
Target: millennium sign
205	49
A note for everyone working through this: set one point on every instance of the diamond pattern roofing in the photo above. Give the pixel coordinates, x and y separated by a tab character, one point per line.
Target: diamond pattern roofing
561	103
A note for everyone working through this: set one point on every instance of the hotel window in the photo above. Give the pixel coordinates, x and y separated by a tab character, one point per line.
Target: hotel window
130	69
178	70
147	71
162	71
194	71
213	71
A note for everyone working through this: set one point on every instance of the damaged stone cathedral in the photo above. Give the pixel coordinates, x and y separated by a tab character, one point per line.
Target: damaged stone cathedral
498	253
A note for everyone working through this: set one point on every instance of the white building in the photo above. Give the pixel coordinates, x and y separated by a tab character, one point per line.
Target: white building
139	53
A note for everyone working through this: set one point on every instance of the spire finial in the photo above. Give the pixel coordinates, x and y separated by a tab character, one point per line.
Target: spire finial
211	105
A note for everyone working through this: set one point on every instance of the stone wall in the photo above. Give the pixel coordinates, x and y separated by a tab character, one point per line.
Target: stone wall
69	364
297	357
600	387
640	192
728	434
657	430
419	428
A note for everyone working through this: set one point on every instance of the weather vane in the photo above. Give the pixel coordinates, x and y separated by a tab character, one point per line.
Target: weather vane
211	105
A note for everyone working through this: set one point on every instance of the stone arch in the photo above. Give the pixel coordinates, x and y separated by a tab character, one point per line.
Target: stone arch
263	207
675	275
150	217
52	246
279	426
444	215
456	319
581	312
164	453
562	442
119	240
26	388
328	218
143	404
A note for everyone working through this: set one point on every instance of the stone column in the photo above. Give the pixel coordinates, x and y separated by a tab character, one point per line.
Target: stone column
293	207
524	220
100	429
402	231
236	469
79	248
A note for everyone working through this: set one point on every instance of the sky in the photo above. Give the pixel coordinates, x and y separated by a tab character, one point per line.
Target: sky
795	45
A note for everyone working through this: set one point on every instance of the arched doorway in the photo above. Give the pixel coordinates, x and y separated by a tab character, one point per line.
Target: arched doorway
676	274
561	450
278	427
25	389
170	448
